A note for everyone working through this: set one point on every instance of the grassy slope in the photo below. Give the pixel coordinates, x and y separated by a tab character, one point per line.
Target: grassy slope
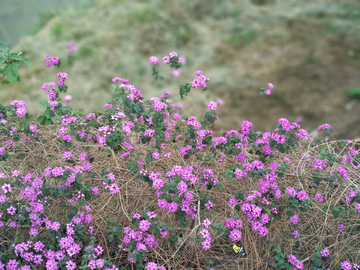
308	50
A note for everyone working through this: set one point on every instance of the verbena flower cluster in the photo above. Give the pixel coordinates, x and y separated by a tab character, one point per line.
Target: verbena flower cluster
149	132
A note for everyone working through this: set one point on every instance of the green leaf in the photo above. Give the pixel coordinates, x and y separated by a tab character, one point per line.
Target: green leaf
6	53
336	208
112	144
279	259
48	122
11	71
41	119
2	41
2	60
26	61
43	104
277	249
284	265
317	262
15	57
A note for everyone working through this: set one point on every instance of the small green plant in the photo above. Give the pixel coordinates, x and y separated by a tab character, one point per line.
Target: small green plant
354	92
10	62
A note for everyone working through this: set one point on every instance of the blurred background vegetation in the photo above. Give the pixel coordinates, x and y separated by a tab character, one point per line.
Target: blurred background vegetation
308	49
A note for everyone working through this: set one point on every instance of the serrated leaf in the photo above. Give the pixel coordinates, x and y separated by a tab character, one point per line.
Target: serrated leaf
11	71
2	60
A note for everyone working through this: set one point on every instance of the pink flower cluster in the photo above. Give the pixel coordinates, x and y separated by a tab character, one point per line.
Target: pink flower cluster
51	60
153	60
72	47
298	264
19	107
63	76
268	92
325	252
324	126
212	105
200	81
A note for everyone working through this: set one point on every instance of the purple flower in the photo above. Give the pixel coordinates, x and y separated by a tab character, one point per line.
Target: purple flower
155	155
140	246
235	235
263	231
55	60
182	187
238	224
239	173
206	244
319	197
151	266
206	223
209	204
291	191
325	252
324	126
294	219
166	59
346	265
144	225
212	105
176	73
205	233
20	112
67	98
302	196
268	92
233	201
11	210
72	47
173	54
230	223
153	60
292	259
172	207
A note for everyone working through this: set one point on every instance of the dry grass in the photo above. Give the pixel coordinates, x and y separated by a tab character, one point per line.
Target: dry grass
137	196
